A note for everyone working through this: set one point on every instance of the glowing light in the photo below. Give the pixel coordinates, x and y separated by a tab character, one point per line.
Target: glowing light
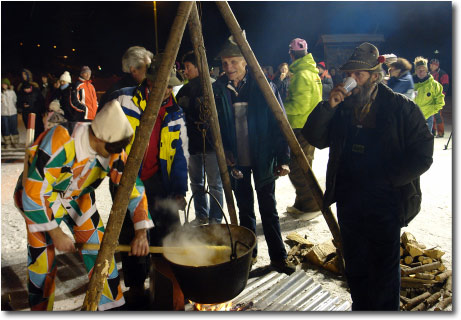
20	43
54	47
227	306
73	49
99	68
38	45
65	57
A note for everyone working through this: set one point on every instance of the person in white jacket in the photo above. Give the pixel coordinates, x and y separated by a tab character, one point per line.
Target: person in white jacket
10	135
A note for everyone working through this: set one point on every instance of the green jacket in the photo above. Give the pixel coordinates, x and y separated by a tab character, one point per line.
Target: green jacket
304	92
429	97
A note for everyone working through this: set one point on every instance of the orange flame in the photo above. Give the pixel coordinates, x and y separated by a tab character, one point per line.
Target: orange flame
227	306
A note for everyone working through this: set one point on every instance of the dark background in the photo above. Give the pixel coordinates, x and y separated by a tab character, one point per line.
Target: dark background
100	32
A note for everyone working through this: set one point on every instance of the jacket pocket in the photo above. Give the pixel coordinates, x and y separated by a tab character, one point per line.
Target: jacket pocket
411	197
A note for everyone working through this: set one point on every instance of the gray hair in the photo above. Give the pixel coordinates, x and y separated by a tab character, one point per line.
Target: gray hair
136	57
380	73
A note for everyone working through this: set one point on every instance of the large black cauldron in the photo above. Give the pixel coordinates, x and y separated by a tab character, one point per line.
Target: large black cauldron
221	282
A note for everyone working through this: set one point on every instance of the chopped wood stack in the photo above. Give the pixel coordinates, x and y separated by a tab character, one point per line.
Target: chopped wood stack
425	281
302	250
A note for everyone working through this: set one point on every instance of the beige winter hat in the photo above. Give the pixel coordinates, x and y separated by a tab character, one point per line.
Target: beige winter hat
66	77
111	123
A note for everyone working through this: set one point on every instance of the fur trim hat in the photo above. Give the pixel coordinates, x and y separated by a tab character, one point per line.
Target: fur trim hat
420	61
230	48
28	74
85	69
155	65
401	64
111	123
66	77
365	57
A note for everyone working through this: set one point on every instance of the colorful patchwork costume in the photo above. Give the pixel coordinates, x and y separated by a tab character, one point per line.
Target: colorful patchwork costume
63	175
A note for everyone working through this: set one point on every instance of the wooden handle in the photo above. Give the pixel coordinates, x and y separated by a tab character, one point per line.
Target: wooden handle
174	250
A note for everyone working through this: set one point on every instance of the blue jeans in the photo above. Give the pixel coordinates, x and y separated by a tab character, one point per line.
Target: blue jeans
10	125
204	207
268	209
430	123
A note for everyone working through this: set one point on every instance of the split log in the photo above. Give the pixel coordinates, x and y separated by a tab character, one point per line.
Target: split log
298	239
402	251
448	287
443	304
408	260
443	276
416	300
320	253
442	267
426	276
425	260
416	280
426	267
415	264
434	254
414	250
294	250
433	299
332	265
415	285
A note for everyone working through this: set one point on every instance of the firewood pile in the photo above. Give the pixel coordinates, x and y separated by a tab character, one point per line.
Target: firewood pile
425	281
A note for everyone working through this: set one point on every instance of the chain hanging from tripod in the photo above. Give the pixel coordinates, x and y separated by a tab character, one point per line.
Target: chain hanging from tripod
203	125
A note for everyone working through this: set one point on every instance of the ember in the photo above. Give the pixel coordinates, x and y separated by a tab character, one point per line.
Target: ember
227	306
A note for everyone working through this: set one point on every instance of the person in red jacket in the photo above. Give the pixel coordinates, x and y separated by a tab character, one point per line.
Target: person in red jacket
442	77
86	92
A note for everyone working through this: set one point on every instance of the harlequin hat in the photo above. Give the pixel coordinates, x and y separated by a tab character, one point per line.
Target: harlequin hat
111	123
365	57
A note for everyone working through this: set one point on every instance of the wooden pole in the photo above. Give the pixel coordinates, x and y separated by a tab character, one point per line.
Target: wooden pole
295	148
195	29
117	214
30	133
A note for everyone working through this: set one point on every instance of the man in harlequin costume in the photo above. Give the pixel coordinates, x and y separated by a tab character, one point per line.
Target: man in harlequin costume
64	171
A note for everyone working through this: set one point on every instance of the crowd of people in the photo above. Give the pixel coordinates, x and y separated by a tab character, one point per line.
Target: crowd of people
380	136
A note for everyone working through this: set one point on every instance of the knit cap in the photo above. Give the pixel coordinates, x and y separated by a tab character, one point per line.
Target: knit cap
7	81
66	77
85	69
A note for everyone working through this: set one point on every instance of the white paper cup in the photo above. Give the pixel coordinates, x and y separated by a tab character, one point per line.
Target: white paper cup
349	84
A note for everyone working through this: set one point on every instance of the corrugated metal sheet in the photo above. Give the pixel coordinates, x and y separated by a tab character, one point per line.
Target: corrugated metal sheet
280	292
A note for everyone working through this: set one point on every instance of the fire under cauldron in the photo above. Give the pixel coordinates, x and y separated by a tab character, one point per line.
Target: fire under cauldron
221	282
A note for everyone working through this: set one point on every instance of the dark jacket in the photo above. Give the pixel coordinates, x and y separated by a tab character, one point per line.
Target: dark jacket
31	95
407	143
125	82
187	98
74	110
268	146
282	86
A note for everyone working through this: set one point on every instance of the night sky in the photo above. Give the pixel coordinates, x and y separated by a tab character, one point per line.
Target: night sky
100	32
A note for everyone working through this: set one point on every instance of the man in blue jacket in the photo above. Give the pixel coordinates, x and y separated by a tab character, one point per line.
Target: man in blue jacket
254	144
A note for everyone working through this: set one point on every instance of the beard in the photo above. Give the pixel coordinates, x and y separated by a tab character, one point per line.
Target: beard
361	96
